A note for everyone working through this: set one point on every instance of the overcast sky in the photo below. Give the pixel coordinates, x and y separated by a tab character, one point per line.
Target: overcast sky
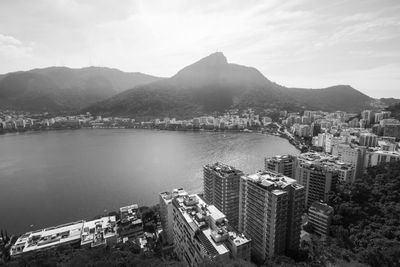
294	43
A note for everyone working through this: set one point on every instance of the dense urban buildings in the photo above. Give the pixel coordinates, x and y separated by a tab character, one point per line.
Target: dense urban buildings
319	217
221	188
271	206
238	215
201	232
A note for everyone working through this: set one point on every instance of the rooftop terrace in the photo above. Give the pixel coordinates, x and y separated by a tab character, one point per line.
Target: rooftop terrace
323	160
209	224
129	213
223	169
167	196
272	180
69	233
96	232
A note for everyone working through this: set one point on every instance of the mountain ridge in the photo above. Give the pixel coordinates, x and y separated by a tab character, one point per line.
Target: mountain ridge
212	84
64	89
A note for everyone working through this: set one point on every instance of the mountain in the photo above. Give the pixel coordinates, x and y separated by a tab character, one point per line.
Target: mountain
389	101
64	89
212	84
338	97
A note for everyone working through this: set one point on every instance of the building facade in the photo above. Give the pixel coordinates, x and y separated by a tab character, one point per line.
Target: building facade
166	215
317	176
368	140
221	188
320	216
271	205
201	232
355	155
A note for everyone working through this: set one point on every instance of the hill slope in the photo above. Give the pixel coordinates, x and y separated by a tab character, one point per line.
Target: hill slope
339	97
64	89
213	84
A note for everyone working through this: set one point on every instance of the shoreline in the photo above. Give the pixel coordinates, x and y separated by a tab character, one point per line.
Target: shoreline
302	147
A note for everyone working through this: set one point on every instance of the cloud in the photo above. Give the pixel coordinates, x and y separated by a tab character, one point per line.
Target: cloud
283	39
13	48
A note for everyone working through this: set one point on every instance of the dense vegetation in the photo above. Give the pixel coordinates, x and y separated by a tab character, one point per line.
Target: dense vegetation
57	89
367	217
395	109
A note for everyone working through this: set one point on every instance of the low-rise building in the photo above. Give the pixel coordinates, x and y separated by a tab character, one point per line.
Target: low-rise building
130	225
81	233
65	234
320	216
99	232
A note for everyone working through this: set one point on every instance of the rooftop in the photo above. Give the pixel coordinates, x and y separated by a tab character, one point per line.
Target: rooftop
279	158
321	208
49	237
96	231
129	213
273	181
80	231
129	208
323	160
238	239
208	223
167	196
223	170
388	153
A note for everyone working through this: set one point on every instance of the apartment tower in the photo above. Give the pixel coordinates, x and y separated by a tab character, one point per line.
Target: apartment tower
280	164
316	175
221	188
271	206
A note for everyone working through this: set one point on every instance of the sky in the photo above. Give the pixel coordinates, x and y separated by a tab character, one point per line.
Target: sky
305	43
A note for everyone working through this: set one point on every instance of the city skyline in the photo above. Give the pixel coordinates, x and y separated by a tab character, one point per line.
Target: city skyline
345	42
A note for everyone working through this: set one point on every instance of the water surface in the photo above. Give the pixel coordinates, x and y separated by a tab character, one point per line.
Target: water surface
50	178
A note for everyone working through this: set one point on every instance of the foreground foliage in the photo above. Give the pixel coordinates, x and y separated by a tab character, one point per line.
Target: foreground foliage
367	216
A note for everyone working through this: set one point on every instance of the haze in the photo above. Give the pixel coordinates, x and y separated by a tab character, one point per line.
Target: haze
297	43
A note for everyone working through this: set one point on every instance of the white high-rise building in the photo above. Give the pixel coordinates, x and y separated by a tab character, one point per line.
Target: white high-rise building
271	206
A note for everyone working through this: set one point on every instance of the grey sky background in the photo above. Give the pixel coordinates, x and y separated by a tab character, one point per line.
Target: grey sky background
305	43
